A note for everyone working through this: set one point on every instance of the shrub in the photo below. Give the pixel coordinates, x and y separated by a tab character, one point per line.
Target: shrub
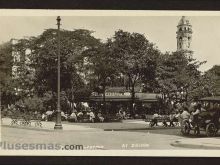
34	104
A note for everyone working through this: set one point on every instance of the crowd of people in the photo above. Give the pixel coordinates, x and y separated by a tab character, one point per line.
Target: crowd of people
81	116
178	113
89	115
194	113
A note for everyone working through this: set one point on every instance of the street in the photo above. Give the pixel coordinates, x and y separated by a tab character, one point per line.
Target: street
117	136
126	135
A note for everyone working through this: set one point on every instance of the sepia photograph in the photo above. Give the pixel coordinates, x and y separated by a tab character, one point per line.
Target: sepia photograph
109	82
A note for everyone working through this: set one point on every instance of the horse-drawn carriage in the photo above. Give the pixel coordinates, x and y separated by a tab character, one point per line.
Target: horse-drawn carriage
208	120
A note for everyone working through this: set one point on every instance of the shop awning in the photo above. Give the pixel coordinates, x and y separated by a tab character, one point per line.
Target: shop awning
211	99
147	97
139	97
110	98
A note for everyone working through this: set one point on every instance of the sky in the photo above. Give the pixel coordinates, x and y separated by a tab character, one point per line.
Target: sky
161	30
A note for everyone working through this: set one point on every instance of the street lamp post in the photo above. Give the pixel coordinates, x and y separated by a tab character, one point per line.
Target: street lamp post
58	124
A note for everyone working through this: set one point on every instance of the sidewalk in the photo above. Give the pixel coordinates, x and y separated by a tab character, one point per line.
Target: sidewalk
140	121
125	125
198	143
50	126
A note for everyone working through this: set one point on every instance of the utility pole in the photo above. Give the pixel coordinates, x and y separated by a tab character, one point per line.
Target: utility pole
58	124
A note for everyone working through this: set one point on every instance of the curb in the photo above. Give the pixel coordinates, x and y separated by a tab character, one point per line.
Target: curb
179	143
125	129
139	129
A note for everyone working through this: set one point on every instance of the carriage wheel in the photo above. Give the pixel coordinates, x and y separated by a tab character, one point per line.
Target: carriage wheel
210	130
185	129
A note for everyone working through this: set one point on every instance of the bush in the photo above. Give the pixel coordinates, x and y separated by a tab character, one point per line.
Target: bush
34	104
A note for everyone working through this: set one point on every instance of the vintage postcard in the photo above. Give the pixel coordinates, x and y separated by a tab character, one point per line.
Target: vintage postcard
110	83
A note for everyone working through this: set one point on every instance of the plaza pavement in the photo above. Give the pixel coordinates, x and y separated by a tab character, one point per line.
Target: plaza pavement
198	143
124	125
89	134
110	135
107	140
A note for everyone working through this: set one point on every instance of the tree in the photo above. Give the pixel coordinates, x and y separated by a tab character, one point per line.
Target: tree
23	76
178	76
136	57
6	62
44	53
102	67
212	80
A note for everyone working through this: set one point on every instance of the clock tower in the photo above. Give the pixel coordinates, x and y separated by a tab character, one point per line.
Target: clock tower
184	35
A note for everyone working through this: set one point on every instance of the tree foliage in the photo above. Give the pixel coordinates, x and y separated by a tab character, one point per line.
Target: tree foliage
88	65
136	58
6	62
212	80
178	75
136	55
44	53
33	104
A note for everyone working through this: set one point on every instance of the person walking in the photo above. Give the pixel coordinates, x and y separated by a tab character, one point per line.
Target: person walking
185	115
195	113
171	117
155	119
120	112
